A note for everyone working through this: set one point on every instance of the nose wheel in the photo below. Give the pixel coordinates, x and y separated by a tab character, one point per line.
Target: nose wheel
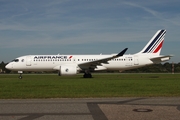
20	74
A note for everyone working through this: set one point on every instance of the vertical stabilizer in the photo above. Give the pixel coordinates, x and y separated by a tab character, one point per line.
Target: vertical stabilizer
155	44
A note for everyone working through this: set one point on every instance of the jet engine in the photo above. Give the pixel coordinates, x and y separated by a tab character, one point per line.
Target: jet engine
68	70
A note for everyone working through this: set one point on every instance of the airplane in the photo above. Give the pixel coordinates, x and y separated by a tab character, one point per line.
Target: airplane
74	64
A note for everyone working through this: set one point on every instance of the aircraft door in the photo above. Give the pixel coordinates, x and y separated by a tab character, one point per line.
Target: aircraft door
28	61
128	61
136	61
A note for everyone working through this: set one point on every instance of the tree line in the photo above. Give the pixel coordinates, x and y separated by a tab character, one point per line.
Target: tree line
155	68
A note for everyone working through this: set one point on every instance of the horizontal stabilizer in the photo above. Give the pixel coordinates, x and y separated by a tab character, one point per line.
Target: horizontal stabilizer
161	58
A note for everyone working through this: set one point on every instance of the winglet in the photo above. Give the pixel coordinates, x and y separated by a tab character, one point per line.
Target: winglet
121	53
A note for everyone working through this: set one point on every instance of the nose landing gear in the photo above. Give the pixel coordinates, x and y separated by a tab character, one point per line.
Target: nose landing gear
20	74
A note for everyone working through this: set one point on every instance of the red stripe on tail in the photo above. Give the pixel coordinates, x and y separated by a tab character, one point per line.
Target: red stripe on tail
159	47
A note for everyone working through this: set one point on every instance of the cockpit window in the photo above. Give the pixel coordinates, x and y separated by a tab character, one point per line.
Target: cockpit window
16	60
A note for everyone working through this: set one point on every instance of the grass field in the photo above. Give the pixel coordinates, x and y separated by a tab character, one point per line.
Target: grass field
101	85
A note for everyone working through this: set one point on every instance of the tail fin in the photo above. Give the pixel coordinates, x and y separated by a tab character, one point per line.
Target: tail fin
155	44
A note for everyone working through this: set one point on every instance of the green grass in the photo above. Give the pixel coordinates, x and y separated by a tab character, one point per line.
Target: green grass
101	85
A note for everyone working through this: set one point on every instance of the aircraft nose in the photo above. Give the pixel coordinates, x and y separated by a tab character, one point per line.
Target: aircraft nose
8	66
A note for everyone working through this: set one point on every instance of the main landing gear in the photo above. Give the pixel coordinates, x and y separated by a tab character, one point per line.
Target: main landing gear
87	74
20	74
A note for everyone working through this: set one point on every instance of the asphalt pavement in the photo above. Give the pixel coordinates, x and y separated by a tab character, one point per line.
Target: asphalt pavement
159	108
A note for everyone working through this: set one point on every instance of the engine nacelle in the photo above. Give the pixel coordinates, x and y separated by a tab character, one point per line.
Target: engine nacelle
68	70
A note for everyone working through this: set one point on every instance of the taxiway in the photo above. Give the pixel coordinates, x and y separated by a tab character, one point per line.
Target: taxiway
91	109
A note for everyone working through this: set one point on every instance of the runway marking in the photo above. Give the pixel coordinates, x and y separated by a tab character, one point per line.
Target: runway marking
96	112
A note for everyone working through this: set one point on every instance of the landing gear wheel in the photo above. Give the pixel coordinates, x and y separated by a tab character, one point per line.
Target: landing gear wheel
20	76
87	75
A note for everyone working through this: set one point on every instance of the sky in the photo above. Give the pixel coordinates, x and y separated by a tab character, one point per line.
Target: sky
29	27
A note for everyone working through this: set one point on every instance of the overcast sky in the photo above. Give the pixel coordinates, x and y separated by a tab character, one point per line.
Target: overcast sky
86	26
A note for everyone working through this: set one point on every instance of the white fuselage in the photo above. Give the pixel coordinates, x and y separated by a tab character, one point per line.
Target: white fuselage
52	62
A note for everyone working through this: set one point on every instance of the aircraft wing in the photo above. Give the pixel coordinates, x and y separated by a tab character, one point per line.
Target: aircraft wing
161	58
93	64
